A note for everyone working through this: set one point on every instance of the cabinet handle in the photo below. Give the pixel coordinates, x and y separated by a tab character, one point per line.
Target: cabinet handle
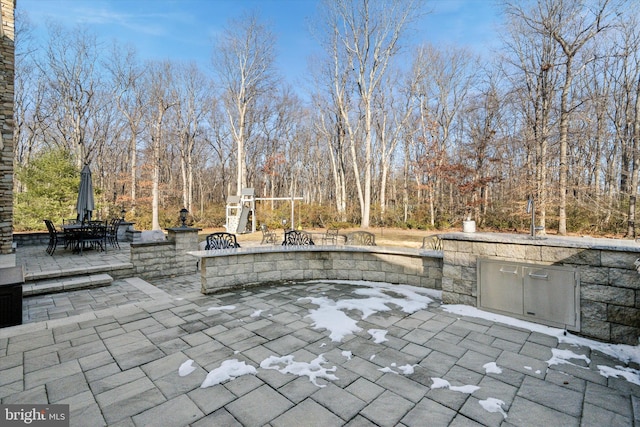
538	276
502	270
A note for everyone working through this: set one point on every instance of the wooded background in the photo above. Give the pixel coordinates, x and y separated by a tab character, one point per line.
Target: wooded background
383	133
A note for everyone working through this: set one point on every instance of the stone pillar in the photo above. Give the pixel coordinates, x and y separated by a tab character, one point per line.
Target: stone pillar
185	239
7	8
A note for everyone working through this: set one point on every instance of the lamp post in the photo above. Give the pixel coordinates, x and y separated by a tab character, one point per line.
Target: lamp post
183	217
122	213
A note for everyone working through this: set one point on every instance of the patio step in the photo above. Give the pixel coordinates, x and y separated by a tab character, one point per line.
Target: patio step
41	287
117	270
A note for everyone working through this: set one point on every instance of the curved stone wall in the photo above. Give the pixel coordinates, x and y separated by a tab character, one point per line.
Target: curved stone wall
227	269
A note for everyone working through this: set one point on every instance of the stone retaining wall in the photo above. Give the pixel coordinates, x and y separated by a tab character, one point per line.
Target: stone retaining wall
609	283
227	269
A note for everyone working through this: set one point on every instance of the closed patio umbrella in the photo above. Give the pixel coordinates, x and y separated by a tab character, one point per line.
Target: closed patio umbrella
85	204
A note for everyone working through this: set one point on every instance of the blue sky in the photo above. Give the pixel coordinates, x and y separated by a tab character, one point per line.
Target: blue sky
184	29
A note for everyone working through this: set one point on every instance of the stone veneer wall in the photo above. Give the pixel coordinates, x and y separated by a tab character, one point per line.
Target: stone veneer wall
609	284
7	46
167	258
234	268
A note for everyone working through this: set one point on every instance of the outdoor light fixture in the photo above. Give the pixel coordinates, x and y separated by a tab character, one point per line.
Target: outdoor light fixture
122	213
183	217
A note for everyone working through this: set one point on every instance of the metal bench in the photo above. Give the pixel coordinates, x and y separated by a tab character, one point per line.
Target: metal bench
361	238
297	238
221	240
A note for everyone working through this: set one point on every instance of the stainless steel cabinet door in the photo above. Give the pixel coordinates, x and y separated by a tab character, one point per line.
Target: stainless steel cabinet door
501	287
550	295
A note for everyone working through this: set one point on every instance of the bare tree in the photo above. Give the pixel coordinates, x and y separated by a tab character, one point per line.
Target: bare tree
128	94
364	38
571	23
243	60
159	86
72	58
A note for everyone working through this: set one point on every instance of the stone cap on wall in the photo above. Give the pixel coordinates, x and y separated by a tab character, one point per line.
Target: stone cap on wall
387	250
585	242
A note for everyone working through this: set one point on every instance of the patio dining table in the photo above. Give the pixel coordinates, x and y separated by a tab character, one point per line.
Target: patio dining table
85	236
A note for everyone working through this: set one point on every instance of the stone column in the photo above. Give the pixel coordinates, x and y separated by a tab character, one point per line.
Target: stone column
7	8
185	239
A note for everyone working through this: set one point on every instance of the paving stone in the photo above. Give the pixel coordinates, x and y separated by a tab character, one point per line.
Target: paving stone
537	351
51	373
520	363
259	406
161	367
493	387
311	412
298	390
102	372
479	347
402	386
449	398
219	418
419	336
211	399
438	363
427	409
596	416
138	357
80	351
506	345
118	379
363	368
339	401
552	395
172	384
418	351
473	410
462	421
175	412
285	345
95	360
244	384
606	398
63	388
131	405
565	380
365	390
525	413
35	395
387	409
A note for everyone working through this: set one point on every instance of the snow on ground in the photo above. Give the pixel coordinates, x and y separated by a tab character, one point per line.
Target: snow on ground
622	352
337	318
493	405
186	368
224	307
492	368
378	335
313	369
228	370
440	383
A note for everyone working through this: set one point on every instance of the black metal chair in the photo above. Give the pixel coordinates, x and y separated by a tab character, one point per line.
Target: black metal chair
267	236
53	236
94	235
297	238
361	238
221	240
331	236
112	232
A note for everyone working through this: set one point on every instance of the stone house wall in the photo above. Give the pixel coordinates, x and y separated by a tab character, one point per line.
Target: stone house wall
7	46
